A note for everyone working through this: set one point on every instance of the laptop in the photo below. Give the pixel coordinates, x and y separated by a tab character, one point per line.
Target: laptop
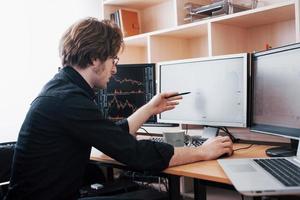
264	176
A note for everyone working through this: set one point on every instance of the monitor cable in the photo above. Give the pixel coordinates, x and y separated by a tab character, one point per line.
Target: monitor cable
242	148
186	129
233	139
146	131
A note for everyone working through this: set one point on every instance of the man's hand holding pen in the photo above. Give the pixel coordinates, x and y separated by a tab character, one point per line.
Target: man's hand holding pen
179	94
165	101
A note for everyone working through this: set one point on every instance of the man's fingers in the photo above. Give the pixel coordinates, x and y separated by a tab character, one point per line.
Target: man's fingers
229	151
172	103
174	98
227	144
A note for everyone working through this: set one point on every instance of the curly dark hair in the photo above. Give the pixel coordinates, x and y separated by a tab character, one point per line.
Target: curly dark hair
89	39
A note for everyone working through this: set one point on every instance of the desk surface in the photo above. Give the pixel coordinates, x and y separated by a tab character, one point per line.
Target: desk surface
211	170
204	170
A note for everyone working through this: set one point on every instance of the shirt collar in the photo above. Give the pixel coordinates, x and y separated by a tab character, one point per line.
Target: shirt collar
78	80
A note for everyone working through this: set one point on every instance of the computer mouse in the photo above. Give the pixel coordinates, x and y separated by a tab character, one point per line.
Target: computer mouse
225	155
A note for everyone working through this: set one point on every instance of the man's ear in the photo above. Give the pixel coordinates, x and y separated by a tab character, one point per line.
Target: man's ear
97	65
93	61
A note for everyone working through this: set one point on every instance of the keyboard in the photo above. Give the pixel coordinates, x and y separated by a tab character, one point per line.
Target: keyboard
158	124
196	141
157	139
283	170
192	141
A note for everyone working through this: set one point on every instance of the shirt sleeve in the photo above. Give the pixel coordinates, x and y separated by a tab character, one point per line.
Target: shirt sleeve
82	120
123	124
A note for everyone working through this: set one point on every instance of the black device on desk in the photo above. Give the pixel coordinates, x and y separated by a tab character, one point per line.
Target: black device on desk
129	89
276	96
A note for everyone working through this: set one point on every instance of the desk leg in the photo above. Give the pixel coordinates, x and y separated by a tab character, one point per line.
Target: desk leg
199	190
174	187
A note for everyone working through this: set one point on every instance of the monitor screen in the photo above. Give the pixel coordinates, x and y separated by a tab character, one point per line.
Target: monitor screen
218	87
131	87
275	93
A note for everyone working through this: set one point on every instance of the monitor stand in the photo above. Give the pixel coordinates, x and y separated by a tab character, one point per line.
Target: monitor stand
209	132
283	151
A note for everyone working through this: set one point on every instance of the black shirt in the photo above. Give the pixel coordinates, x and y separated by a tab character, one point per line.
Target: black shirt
55	140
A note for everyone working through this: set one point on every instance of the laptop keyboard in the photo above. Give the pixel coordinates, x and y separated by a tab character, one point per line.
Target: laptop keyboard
283	170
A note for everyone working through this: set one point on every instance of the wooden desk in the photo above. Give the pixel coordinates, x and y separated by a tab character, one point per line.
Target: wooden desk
203	173
210	173
211	170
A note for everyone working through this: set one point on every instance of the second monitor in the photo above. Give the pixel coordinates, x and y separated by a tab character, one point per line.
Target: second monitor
131	87
218	87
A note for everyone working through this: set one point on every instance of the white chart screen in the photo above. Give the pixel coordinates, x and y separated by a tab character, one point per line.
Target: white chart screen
218	89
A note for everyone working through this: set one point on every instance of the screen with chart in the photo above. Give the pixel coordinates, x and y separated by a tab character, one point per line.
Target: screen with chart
275	99
129	89
218	87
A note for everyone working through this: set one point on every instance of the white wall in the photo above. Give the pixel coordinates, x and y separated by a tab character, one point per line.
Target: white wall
29	36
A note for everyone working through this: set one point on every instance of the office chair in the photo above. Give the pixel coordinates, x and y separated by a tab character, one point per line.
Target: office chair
6	157
122	188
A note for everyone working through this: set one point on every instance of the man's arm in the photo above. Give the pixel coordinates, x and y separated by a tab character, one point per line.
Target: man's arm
159	103
209	150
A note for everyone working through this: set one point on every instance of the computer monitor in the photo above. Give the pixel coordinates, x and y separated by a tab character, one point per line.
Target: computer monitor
276	96
218	87
131	87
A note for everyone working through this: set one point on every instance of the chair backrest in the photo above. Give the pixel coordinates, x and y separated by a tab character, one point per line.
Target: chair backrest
6	157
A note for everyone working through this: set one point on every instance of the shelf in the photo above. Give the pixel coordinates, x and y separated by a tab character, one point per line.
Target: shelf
135	47
260	16
184	31
135	4
164	12
181	43
165	36
136	40
253	30
139	54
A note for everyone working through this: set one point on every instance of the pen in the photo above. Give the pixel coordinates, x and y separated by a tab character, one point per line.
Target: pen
179	94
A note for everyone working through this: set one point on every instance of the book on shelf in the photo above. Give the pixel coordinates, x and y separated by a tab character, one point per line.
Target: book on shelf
127	20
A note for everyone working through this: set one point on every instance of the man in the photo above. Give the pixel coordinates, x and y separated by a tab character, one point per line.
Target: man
63	122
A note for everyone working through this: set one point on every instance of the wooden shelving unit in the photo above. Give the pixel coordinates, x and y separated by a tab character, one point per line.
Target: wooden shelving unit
165	36
252	30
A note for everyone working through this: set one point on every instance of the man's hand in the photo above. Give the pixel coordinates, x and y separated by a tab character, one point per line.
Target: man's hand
161	102
211	149
215	147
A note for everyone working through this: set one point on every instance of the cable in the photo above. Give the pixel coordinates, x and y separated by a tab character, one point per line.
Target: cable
145	131
233	139
186	128
242	197
248	147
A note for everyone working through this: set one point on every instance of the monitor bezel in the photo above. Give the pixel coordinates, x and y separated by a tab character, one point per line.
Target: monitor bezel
246	64
262	128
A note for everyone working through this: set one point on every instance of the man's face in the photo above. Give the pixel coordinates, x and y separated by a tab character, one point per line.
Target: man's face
103	72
